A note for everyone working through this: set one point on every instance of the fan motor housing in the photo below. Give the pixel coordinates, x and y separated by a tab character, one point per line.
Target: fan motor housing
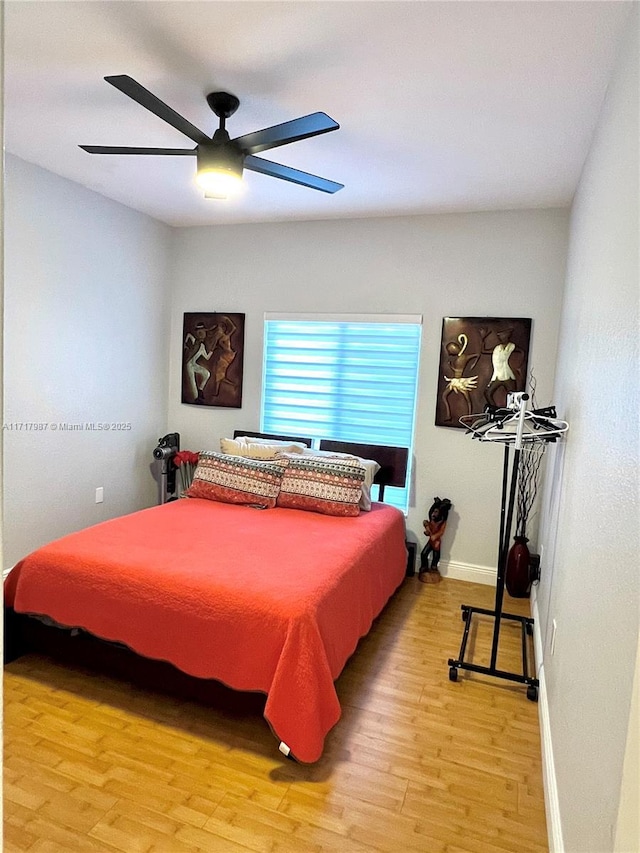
220	156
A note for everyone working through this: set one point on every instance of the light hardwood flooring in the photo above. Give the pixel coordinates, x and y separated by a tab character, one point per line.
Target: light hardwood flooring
417	762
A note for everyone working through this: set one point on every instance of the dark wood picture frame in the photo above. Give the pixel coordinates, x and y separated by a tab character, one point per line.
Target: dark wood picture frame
212	359
482	359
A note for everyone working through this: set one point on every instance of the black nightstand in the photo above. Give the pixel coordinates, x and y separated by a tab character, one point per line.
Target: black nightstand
412	550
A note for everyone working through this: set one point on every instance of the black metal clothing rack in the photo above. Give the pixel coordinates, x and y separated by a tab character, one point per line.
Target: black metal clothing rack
509	486
526	623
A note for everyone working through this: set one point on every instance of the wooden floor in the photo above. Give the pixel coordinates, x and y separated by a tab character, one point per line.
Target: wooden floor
417	762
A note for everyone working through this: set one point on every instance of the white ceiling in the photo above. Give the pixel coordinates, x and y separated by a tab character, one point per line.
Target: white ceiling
443	106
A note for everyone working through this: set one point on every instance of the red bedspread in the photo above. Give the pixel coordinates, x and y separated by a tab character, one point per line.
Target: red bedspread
270	600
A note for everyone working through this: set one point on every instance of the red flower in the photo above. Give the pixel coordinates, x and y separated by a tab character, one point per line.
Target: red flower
185	457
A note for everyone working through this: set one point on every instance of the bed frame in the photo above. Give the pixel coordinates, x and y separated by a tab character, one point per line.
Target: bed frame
24	634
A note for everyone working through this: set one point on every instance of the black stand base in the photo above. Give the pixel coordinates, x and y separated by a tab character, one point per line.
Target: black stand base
526	625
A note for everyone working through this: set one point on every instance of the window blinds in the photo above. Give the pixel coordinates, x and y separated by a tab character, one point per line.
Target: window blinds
349	380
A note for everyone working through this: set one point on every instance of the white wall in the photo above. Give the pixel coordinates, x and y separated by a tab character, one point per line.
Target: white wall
590	579
488	264
1	338
85	340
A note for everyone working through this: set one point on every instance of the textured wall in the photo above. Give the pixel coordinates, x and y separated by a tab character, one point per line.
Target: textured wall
590	579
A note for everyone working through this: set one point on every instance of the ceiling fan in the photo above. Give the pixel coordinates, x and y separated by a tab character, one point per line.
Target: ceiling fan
220	159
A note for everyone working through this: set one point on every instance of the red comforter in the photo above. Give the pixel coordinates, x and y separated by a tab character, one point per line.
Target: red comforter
269	600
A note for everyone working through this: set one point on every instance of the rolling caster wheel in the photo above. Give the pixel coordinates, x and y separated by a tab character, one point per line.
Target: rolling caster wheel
453	673
532	693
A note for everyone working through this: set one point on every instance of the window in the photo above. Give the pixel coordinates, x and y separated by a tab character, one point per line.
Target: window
345	378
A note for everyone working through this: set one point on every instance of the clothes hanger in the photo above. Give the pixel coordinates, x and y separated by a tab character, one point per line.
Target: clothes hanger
534	428
515	424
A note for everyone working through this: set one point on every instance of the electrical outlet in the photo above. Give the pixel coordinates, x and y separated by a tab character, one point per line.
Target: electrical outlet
552	644
99	494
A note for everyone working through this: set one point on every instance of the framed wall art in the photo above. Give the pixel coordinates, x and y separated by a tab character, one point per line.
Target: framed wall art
212	359
482	359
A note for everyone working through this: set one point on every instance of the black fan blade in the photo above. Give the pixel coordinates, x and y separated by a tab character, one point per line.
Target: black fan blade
149	101
289	131
266	167
115	149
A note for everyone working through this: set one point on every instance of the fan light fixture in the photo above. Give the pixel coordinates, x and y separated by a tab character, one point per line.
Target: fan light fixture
218	183
219	167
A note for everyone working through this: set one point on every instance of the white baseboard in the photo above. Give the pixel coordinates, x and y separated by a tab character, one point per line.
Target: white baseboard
537	635
468	572
552	805
550	783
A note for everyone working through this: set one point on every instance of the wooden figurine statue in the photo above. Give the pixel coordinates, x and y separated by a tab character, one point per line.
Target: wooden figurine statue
434	527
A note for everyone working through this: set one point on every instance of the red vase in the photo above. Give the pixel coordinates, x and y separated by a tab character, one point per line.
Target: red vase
518	577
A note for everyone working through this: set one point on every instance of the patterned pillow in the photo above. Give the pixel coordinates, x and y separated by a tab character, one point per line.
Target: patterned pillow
371	468
322	484
236	480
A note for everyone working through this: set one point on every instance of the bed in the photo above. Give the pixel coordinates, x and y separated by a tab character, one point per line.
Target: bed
271	600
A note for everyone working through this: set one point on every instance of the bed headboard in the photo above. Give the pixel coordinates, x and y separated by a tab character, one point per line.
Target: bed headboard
392	460
297	438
